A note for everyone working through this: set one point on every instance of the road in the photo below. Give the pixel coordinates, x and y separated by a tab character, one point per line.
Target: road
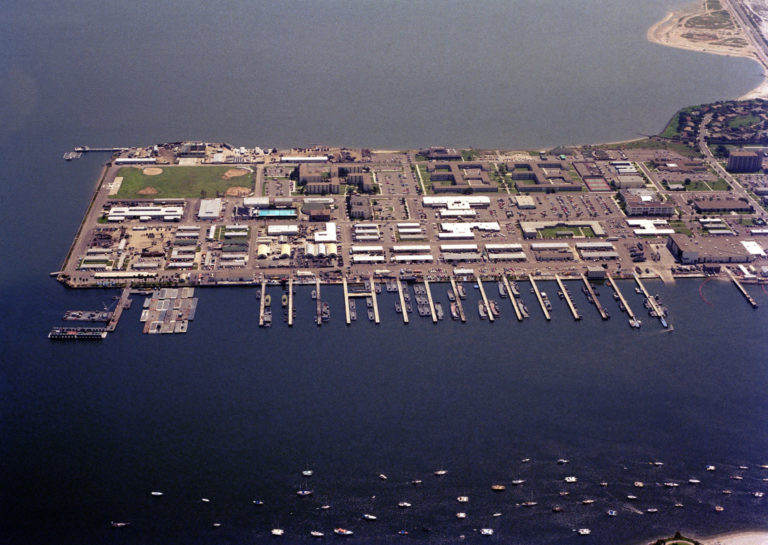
755	37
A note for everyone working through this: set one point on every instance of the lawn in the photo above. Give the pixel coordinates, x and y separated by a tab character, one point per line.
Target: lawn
699	185
743	121
180	182
552	232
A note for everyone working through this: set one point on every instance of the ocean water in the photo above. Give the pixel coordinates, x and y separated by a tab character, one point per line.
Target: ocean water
234	413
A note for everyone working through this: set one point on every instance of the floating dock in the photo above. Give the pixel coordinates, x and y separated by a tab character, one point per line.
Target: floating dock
459	306
431	303
77	333
603	314
615	287
375	301
169	310
290	302
87	316
402	301
512	298
738	285
261	302
485	299
539	297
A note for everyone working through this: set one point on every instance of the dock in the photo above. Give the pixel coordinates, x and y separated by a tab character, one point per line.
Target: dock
375	301
122	304
603	314
346	300
738	285
615	286
567	297
431	303
651	300
402	301
512	298
459	306
290	302
485	298
539	297
261	302
319	302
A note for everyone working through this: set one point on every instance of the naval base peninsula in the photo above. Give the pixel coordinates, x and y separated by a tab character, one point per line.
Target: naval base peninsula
690	202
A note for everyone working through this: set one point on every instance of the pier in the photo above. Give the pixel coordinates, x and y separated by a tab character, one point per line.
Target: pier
567	297
122	304
290	302
459	306
431	303
615	286
738	285
512	298
651	300
485	299
539	297
346	300
319	302
603	314
375	301
402	301
262	302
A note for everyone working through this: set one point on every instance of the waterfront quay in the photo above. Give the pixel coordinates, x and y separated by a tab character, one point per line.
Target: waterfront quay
206	214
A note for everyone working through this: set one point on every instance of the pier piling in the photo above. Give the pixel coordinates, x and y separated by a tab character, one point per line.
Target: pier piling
743	291
346	300
512	298
615	286
459	306
290	302
261	303
319	311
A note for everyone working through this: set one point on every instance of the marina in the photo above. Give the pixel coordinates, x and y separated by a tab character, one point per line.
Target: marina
535	289
512	298
633	321
485	299
567	297
741	289
592	297
403	306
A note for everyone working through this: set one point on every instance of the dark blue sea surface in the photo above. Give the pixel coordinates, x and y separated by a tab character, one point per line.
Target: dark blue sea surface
234	413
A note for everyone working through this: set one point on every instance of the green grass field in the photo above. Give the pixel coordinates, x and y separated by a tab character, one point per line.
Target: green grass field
178	182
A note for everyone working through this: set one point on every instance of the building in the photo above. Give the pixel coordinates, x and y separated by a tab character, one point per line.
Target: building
210	209
460	177
744	161
640	202
360	208
723	206
689	251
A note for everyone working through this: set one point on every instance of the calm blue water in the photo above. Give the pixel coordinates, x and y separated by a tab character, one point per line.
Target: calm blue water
234	413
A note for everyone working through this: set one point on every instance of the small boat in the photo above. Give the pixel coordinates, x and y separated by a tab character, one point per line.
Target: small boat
651	510
727	492
368	516
498	487
758	494
342	532
315	533
525	460
314	294
304	493
611	512
556	509
258	502
156	493
439	311
216	525
461	290
587	502
710	468
603	484
205	500
496	515
119	524
631	497
382	477
584	531
570	479
719	508
486	531
267	300
371	315
440	472
481	310
398	307
494	308
277	531
307	472
454	311
529	504
663	322
562	461
417	482
451	296
284	300
502	289
461	515
325	507
743	468
462	499
403	505
639	484
402	532
670	484
518	482
564	493
679	505
737	477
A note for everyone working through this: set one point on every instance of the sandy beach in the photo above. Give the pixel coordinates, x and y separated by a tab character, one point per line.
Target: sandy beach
672	32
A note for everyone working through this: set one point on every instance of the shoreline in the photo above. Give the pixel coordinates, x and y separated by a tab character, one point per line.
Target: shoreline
662	33
744	537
